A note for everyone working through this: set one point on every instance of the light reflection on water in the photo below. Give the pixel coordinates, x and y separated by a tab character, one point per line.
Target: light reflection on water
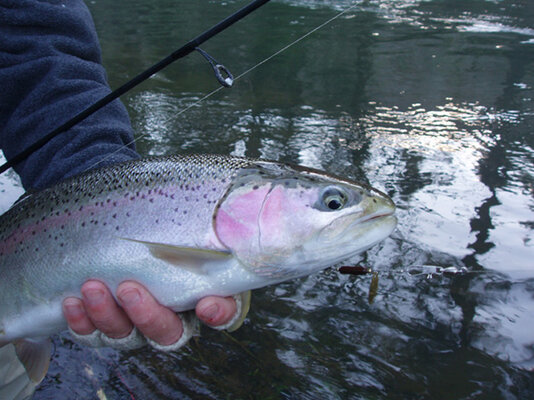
10	187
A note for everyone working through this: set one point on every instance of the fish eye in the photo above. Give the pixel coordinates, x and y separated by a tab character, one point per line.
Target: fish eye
334	199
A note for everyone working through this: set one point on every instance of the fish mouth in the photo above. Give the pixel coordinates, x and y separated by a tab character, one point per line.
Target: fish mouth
375	216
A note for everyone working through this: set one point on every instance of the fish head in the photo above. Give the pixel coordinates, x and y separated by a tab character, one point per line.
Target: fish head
285	222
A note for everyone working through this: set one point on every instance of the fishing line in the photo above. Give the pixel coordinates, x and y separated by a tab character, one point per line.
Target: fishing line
196	103
180	53
183	51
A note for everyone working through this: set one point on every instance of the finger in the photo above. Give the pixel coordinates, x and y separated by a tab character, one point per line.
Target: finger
216	311
104	311
77	317
155	321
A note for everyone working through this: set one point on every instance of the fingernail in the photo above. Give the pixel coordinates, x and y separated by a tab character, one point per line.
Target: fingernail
209	313
129	297
73	308
93	297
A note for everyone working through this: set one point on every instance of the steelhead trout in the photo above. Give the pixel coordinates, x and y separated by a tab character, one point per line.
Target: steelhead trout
183	226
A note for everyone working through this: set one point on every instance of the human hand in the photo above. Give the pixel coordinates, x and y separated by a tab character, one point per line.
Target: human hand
98	310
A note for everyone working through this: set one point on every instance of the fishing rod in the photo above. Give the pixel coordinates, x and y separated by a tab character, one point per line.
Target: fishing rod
223	75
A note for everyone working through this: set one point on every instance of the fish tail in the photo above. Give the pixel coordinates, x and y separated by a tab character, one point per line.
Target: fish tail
23	365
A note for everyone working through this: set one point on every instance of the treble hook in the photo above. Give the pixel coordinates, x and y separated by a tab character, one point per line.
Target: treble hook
219	69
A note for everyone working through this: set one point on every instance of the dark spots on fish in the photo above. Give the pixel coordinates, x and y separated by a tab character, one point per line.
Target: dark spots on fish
255	187
127	214
116	228
114	216
81	208
374	200
157	221
83	224
33	232
185	212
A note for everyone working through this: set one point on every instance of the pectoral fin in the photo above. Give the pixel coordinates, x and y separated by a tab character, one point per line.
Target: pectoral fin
35	356
23	365
244	298
190	258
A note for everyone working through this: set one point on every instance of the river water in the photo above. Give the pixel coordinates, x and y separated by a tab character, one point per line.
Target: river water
430	101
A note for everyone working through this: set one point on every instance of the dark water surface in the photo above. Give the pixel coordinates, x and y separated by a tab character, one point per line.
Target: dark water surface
431	101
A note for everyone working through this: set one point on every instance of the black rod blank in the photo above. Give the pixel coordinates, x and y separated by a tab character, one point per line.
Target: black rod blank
181	52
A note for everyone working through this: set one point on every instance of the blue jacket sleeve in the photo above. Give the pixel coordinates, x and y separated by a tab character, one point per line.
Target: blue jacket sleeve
50	70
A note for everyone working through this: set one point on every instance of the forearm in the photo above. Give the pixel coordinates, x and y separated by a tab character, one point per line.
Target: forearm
50	69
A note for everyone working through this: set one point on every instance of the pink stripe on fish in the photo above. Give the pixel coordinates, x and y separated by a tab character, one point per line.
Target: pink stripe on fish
75	214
